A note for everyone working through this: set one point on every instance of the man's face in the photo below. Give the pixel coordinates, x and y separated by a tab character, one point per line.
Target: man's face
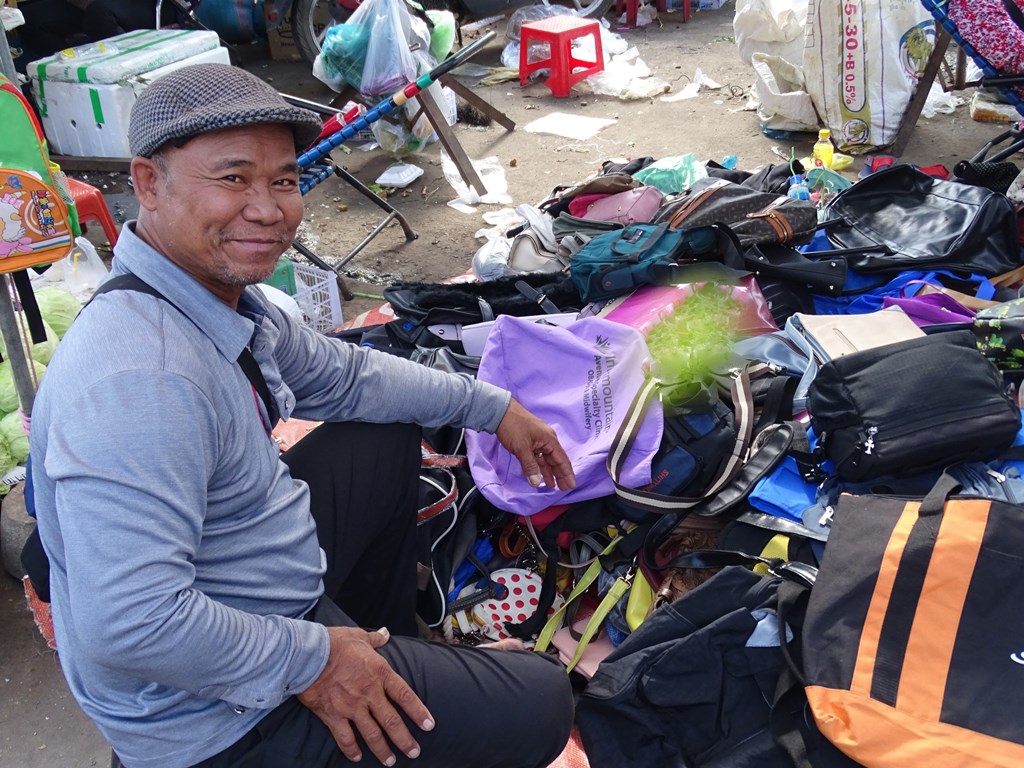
223	207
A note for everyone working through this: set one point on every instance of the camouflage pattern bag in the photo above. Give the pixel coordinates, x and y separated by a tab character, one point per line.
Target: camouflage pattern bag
999	331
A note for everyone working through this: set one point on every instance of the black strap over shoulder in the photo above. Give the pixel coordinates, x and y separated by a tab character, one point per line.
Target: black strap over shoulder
246	361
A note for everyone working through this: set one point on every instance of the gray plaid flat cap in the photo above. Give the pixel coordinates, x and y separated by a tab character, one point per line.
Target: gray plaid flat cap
207	97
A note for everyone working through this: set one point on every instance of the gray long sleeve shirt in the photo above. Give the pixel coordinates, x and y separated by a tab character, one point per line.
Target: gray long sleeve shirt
182	553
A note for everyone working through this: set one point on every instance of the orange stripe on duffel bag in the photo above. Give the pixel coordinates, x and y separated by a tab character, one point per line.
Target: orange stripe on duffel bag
877	735
933	633
867	651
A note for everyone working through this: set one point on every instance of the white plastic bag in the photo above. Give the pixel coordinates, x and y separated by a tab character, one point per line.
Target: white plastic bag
785	104
775	27
79	273
862	61
491	174
389	62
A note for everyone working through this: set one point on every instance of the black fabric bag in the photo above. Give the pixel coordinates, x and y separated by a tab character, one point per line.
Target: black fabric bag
421	305
912	634
771	178
911	406
755	216
903	219
696	684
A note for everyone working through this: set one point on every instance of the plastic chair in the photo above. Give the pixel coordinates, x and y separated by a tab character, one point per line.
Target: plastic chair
560	32
92	207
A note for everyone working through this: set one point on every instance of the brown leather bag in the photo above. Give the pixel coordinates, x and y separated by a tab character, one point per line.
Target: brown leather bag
693	533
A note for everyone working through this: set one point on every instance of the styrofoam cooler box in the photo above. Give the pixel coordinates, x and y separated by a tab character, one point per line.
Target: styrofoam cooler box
85	102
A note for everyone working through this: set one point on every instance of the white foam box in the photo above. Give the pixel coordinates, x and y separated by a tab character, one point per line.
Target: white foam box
85	102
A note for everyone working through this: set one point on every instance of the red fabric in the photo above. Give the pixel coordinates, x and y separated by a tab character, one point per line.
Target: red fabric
41	614
987	26
573	755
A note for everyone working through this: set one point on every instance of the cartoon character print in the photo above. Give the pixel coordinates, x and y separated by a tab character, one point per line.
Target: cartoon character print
13	238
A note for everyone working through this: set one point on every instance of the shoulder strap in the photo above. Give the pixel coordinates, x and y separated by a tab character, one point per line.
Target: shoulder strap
743	404
246	361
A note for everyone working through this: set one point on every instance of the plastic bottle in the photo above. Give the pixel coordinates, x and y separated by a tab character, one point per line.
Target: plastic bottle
823	149
798	189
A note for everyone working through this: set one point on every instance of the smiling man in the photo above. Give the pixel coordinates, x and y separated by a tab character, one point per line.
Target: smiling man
214	604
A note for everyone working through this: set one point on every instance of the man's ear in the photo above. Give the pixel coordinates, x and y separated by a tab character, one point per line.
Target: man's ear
146	179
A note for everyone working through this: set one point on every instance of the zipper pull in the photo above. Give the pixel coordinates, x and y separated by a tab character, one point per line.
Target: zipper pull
997	476
826	519
869	442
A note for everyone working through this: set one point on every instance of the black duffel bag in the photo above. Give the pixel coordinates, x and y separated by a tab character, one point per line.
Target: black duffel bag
901	218
910	407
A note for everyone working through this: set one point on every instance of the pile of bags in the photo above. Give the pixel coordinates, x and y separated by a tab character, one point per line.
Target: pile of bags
742	378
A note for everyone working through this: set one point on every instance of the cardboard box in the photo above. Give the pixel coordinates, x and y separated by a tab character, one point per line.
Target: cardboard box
282	43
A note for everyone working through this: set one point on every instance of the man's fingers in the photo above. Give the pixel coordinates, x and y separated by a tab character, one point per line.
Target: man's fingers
405	698
346	739
373	734
531	468
556	467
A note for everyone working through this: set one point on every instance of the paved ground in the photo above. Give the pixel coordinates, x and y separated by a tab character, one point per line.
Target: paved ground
40	725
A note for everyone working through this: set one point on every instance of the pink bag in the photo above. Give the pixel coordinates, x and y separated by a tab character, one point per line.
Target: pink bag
580	379
634	206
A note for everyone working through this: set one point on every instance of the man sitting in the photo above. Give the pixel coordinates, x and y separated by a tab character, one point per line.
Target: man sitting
194	573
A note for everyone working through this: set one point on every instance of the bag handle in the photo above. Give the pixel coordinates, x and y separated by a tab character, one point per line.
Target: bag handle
743	407
934	502
796	572
618	589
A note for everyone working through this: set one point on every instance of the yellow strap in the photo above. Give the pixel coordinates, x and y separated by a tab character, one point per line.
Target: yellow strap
777	548
588	578
639	602
615	594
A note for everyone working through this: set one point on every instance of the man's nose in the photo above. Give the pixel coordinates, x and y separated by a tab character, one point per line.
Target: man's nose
262	206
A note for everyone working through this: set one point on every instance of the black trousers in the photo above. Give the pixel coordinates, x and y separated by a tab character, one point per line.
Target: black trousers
493	709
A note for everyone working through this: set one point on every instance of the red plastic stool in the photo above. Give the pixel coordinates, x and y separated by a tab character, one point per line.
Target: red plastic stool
559	32
92	207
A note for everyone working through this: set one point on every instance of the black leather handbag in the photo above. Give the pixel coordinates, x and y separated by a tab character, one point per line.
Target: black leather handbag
901	218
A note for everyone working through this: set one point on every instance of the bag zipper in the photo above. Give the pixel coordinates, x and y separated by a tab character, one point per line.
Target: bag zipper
870	437
1000	478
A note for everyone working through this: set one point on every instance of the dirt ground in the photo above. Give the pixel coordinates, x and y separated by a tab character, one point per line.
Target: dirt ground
40	725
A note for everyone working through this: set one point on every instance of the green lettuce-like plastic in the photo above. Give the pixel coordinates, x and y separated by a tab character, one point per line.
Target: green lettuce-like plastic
8	392
692	344
58	308
41	352
7	463
14	436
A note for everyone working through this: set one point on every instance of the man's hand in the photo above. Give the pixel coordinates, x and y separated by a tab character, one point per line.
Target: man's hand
536	446
358	691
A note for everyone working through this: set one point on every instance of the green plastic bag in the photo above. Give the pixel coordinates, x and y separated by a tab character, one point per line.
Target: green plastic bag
673	174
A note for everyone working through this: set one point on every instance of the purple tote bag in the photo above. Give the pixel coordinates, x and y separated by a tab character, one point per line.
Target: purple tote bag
580	379
931	309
